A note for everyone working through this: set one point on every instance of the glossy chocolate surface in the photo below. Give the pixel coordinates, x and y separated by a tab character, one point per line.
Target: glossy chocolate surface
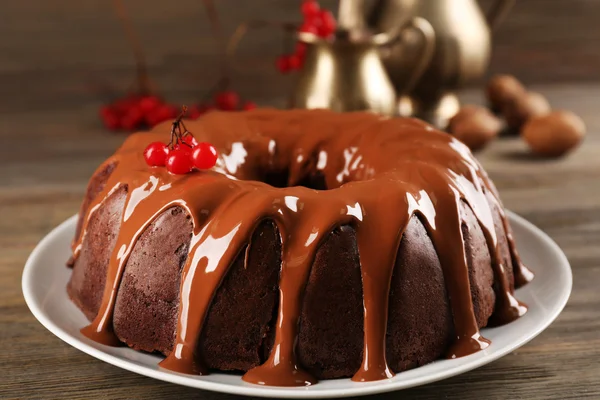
378	172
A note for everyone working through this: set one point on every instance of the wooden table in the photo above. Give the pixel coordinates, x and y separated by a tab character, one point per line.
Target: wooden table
46	158
51	141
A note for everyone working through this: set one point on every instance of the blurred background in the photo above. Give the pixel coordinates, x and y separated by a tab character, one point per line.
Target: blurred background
53	51
60	60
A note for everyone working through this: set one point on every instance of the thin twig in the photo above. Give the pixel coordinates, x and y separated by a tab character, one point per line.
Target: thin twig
176	126
244	27
213	18
144	83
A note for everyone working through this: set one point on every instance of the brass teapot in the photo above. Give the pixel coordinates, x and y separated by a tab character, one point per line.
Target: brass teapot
346	73
462	48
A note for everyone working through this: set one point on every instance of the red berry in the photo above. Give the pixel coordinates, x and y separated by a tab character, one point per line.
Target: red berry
132	119
110	117
327	25
193	112
184	148
313	20
123	105
227	100
169	111
309	27
283	64
112	122
309	7
300	50
204	156
156	154
191	140
160	114
106	110
179	162
294	61
148	104
153	119
249	105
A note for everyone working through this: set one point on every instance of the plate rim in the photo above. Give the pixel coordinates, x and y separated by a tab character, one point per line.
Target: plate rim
283	392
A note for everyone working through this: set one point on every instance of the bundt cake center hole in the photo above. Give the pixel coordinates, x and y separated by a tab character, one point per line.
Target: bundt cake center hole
280	179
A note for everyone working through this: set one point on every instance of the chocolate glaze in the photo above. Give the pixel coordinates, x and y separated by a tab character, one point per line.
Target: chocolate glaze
379	173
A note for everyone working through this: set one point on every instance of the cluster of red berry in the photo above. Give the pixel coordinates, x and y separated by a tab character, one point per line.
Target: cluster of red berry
226	100
136	111
183	152
316	21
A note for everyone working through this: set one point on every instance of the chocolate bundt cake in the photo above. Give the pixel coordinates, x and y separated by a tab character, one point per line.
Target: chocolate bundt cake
321	245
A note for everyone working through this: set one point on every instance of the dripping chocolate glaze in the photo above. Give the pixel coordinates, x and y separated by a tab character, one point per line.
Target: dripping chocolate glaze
379	172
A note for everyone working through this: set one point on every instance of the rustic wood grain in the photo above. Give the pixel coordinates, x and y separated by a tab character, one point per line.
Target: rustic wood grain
51	141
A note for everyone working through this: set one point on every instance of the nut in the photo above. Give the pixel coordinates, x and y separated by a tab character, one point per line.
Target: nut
554	134
502	89
522	108
475	126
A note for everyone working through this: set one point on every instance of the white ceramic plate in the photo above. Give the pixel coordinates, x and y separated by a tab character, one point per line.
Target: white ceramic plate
45	278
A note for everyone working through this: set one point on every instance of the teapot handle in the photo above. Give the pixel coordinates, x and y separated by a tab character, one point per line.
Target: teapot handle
424	28
498	11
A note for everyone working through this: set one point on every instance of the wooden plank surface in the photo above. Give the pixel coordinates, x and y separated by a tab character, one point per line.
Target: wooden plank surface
44	171
51	141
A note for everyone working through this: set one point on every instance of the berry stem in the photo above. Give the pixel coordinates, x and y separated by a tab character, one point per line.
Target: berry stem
145	86
176	133
213	18
243	28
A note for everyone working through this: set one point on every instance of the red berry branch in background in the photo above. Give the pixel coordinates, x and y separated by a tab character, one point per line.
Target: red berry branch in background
136	111
317	21
221	97
183	152
143	108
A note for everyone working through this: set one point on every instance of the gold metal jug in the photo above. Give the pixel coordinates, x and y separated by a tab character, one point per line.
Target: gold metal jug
462	48
346	73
